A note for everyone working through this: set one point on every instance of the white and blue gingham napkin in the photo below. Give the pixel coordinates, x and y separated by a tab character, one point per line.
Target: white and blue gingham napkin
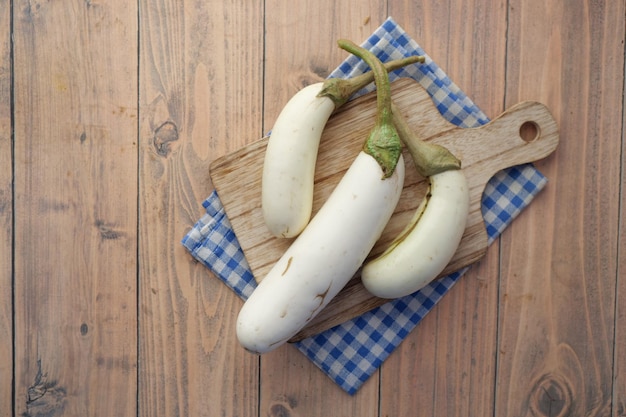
351	352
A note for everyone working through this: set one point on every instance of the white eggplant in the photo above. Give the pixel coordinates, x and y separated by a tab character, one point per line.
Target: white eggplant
289	166
325	256
430	240
427	245
291	154
334	245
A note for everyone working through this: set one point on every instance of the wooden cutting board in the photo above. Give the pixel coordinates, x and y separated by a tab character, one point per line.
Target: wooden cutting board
524	133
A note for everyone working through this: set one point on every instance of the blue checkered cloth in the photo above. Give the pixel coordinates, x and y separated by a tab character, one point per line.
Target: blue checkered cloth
351	352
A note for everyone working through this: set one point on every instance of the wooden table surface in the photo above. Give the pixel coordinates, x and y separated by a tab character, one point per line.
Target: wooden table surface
110	114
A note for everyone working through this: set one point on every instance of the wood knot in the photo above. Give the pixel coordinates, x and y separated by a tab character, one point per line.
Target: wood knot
321	71
283	408
303	79
279	410
45	397
106	231
552	396
164	135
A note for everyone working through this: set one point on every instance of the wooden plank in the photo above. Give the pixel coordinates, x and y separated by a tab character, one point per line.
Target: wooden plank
75	208
559	264
619	367
301	49
6	214
447	365
201	92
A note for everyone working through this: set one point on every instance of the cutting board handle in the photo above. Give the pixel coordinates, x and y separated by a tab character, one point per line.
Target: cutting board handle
526	132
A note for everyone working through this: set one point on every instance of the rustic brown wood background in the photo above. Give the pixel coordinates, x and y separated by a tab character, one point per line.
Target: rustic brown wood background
110	113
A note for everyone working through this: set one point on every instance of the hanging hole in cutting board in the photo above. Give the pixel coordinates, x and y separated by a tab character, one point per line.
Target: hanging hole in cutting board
529	131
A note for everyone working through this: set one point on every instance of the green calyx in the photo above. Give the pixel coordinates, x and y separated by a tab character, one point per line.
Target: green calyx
383	142
429	158
385	146
339	90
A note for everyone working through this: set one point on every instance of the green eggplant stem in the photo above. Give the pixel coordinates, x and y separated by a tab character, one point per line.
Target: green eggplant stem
429	158
383	142
339	90
381	78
